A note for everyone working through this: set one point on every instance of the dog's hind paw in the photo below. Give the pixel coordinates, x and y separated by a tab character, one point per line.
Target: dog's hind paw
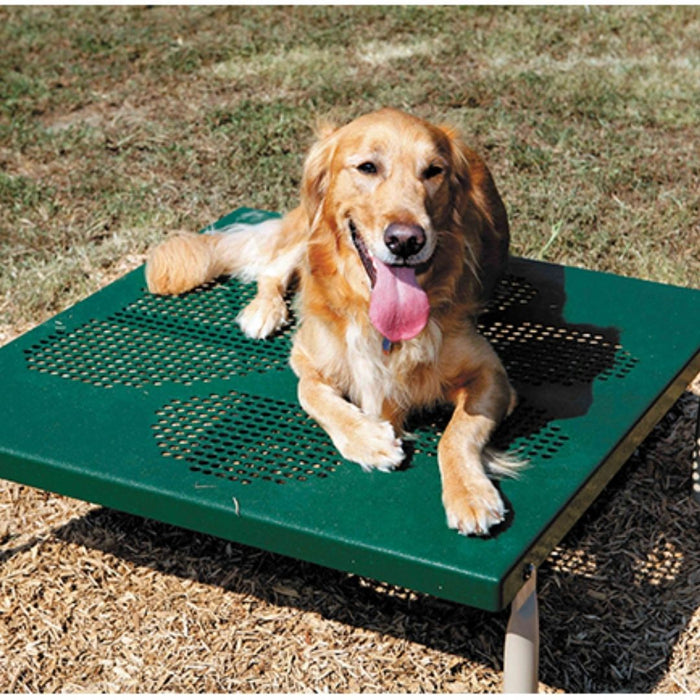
262	317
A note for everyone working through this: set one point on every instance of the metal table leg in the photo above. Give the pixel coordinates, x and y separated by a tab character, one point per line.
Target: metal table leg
696	459
522	646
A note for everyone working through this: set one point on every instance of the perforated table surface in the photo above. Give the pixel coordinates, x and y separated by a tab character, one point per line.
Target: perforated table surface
160	407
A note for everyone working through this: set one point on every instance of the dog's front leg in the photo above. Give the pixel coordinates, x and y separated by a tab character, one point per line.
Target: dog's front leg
367	440
472	503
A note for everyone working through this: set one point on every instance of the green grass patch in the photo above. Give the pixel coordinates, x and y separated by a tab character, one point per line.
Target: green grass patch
120	123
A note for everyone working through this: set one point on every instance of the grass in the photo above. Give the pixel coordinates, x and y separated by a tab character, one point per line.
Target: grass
118	124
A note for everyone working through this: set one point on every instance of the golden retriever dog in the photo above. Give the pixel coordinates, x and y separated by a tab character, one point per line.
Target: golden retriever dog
399	238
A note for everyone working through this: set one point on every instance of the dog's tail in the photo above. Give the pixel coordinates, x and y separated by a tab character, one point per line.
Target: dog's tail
503	464
248	251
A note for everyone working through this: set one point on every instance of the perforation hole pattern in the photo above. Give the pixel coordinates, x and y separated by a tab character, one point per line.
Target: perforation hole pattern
536	353
244	438
512	291
248	439
529	432
185	339
193	338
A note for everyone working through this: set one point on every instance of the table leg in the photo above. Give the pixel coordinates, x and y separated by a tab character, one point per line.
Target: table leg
696	459
522	646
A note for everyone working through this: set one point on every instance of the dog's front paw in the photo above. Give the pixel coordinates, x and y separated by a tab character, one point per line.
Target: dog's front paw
473	510
262	317
373	445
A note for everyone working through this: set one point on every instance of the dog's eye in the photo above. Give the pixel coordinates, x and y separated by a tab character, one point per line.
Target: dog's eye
432	171
368	168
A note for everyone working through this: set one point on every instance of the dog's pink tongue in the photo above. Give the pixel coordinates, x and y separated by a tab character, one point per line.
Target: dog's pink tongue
398	307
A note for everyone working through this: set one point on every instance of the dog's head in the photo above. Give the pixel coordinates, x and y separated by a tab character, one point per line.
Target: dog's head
404	199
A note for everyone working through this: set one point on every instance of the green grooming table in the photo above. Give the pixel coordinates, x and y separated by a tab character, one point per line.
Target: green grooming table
160	407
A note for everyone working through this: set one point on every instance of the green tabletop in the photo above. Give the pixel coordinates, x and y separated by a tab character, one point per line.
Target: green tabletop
162	408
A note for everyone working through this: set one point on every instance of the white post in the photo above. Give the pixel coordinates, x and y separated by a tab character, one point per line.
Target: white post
696	459
521	655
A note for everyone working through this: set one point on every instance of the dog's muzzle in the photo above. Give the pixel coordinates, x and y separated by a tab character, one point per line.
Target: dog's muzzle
399	307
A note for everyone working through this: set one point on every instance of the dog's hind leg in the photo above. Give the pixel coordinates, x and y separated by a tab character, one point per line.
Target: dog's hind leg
273	267
269	252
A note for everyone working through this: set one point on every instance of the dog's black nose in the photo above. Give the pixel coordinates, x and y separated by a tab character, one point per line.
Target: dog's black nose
404	240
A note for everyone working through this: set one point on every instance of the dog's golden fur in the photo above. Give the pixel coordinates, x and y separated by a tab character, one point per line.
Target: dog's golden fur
384	172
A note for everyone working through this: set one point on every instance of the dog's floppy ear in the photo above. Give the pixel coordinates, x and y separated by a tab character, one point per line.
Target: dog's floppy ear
478	206
317	170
